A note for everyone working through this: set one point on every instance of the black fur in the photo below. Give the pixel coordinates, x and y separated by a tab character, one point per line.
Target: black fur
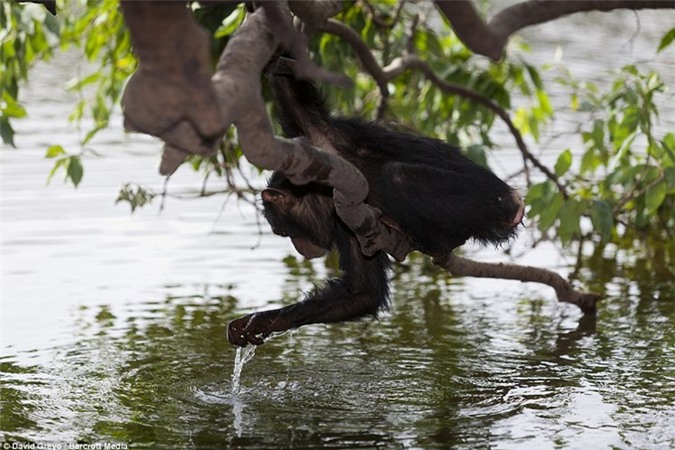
428	189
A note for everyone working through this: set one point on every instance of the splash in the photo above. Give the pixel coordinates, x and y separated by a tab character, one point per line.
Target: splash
244	355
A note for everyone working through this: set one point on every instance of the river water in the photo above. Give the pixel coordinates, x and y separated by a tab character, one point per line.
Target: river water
113	325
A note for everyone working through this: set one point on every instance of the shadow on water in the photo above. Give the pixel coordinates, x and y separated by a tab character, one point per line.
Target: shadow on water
438	371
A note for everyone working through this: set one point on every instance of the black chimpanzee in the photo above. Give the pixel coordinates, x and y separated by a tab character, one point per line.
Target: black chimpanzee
424	187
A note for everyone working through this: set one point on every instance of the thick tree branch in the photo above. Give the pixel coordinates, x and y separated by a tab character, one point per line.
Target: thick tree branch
295	43
237	83
489	39
459	266
315	13
471	29
170	95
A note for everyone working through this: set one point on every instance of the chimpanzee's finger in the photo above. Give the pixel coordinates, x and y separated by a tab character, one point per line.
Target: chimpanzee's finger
254	339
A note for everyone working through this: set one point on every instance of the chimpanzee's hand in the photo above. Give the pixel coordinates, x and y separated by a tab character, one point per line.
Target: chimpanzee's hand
254	328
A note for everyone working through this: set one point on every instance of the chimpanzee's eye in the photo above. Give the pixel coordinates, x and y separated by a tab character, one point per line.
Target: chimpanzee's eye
500	199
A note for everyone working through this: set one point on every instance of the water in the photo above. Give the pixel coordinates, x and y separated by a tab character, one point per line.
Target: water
113	325
243	356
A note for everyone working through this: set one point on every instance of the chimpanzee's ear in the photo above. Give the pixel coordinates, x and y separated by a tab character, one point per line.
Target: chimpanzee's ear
275	196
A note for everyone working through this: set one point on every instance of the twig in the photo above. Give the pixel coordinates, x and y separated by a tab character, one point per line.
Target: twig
459	266
411	61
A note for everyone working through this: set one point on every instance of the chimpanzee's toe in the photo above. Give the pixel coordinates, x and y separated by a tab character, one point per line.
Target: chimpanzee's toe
236	334
254	328
244	331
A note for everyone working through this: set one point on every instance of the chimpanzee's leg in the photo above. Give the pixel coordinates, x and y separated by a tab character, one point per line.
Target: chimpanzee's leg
362	290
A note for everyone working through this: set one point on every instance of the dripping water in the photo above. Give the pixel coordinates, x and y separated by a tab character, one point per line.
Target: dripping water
244	355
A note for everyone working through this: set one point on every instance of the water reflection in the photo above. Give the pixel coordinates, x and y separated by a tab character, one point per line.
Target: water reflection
433	372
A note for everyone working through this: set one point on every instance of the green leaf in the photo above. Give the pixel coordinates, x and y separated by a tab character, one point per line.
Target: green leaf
602	219
12	108
55	151
75	170
91	133
77	84
534	76
550	212
6	132
670	180
476	153
230	23
544	102
666	40
58	164
564	162
598	133
533	124
570	213
654	197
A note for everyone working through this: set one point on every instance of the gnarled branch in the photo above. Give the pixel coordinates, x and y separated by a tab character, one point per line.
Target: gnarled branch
237	83
489	39
459	266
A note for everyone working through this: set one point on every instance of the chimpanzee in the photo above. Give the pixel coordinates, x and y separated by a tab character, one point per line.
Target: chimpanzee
425	188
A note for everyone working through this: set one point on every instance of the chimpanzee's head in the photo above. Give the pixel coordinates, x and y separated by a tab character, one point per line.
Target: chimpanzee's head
304	214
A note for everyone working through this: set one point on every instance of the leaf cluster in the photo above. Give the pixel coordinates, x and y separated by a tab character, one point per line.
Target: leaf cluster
623	179
30	34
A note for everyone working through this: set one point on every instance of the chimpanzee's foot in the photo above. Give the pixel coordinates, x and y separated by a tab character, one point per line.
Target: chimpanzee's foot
255	328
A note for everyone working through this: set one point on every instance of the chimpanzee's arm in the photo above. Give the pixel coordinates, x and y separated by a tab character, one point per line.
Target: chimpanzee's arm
362	290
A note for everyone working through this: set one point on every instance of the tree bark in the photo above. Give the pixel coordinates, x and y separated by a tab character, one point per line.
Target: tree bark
489	39
238	87
459	266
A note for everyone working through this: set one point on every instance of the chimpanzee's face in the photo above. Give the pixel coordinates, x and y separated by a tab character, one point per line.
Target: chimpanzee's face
303	214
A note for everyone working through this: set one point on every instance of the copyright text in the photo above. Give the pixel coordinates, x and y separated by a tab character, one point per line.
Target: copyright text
63	446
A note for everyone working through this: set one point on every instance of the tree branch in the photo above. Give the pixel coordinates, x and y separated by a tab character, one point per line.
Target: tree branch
315	13
238	88
459	266
489	39
411	61
362	50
